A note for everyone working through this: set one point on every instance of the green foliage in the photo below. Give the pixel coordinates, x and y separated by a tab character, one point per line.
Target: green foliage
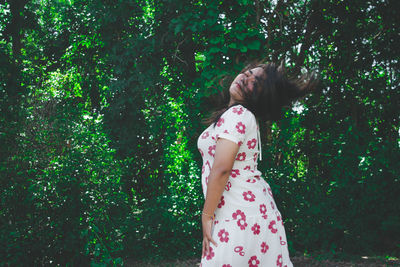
101	103
62	190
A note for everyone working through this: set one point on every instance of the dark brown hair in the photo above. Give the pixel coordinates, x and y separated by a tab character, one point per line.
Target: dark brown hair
275	90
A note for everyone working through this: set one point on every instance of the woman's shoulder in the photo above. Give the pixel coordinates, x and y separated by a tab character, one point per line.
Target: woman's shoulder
241	111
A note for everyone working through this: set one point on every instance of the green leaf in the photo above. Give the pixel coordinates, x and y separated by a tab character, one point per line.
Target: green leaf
178	28
255	45
233	45
214	50
241	36
216	40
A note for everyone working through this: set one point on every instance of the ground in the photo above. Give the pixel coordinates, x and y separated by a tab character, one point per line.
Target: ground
298	261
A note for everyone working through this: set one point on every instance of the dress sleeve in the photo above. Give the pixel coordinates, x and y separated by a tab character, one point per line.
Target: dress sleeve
234	124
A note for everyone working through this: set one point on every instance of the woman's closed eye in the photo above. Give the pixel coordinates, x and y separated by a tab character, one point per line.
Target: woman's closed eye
247	78
246	74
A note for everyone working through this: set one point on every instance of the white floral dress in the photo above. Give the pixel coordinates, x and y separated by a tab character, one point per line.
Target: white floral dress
248	226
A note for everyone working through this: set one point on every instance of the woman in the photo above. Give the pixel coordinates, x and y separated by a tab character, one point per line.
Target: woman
241	223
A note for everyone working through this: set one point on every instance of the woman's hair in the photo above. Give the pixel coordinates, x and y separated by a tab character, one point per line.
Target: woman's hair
275	90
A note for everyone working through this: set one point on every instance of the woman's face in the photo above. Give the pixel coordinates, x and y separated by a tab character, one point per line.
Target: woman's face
244	82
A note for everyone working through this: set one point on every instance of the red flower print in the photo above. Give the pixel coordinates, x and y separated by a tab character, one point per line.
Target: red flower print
215	222
241	128
251	180
203	168
247	167
238	110
265	191
272	205
282	241
256	229
257	177
223	236
222	202
255	157
279	260
226	265
251	143
242	221
211	150
239	213
207	180
263	208
264	247
270	191
220	122
205	135
235	173
241	156
239	250
253	262
272	227
242	224
228	186
240	143
208	163
226	131
210	254
249	196
201	152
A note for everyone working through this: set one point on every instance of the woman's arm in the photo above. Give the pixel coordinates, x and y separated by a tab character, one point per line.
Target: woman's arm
224	158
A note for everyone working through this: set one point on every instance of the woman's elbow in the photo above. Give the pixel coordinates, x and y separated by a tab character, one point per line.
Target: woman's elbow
222	171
